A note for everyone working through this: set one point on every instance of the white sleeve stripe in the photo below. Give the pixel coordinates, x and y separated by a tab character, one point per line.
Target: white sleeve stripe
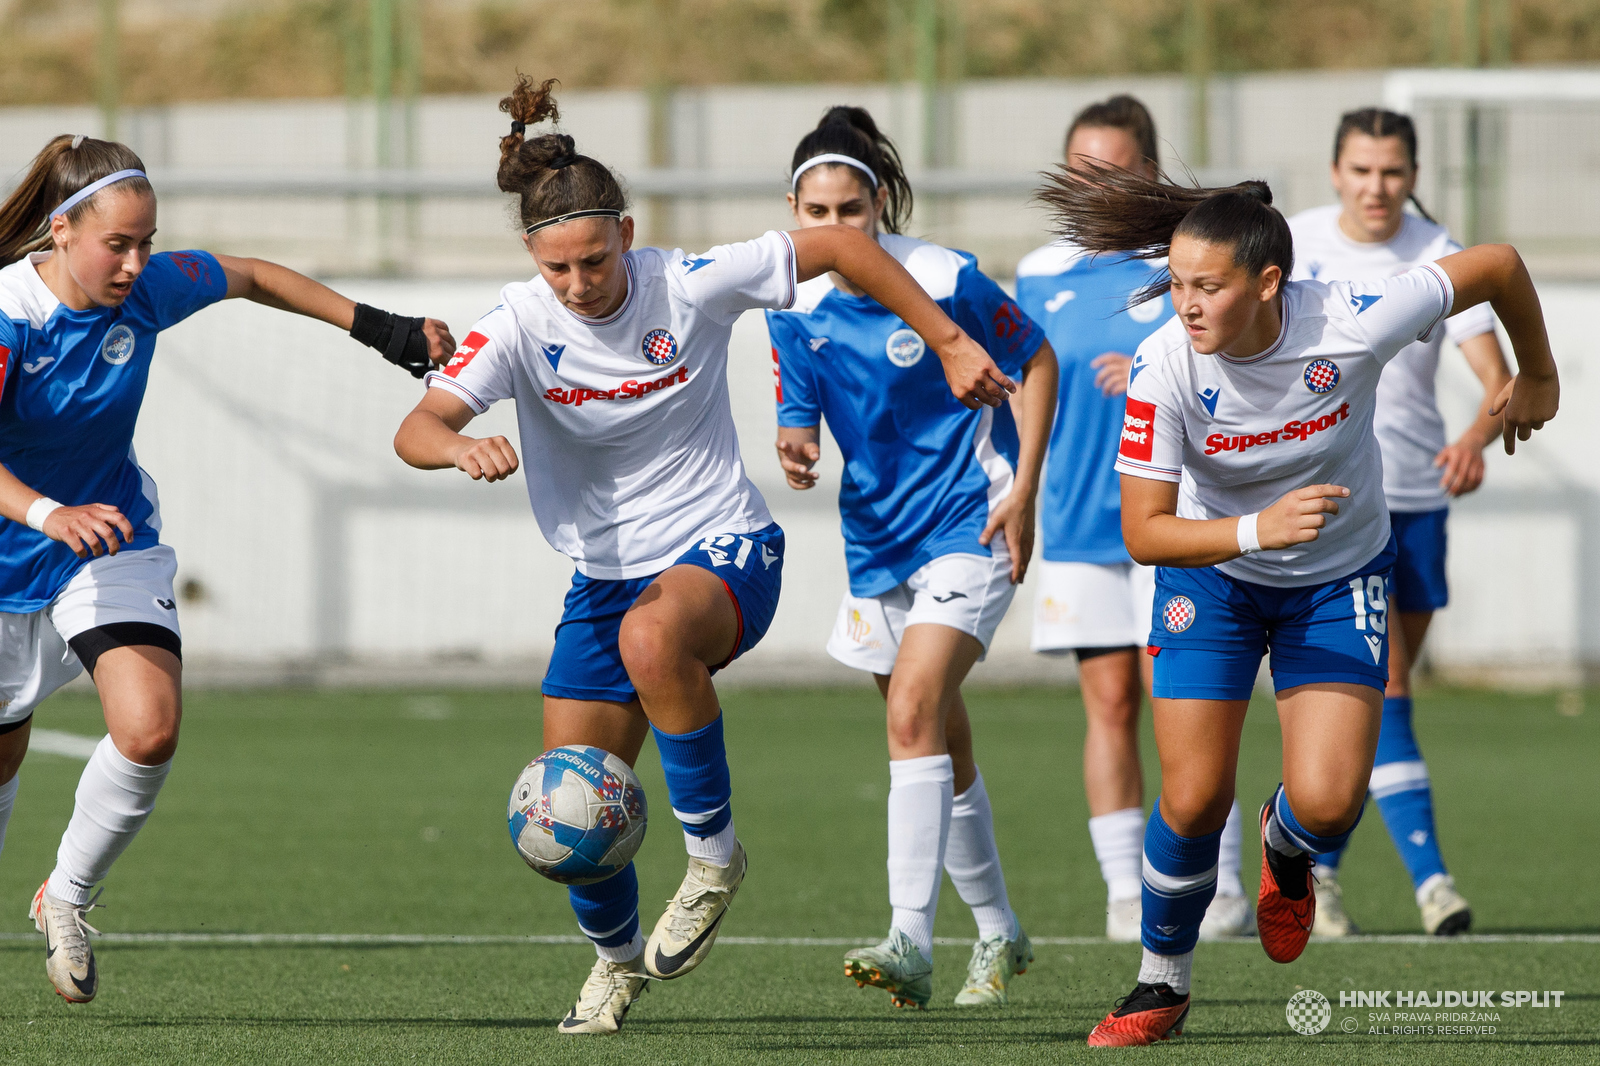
1446	289
793	271
437	380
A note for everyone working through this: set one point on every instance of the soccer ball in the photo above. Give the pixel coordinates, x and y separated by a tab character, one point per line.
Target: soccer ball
577	814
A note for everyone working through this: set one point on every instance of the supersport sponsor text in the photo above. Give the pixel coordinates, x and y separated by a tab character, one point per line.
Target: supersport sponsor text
628	390
1292	431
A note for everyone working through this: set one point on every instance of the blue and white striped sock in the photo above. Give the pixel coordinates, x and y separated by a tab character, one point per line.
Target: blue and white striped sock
1404	793
700	790
608	914
1180	879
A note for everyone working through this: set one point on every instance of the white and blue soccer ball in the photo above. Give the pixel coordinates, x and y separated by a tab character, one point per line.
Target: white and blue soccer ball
577	814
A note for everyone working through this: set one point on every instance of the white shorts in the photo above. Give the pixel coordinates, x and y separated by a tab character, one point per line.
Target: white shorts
1092	605
35	659
965	592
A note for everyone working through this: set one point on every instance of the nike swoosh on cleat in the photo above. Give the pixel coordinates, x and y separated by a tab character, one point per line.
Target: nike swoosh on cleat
49	948
667	965
87	990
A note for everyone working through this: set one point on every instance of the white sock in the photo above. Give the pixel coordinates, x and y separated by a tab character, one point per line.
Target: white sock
973	862
1277	839
8	796
1170	970
1228	861
716	849
631	950
1119	845
114	798
921	792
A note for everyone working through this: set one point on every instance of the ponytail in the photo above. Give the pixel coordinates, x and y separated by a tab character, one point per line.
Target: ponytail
1105	209
850	132
64	167
546	172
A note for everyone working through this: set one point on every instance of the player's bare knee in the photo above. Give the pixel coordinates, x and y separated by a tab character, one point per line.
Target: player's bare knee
913	723
1195	810
151	745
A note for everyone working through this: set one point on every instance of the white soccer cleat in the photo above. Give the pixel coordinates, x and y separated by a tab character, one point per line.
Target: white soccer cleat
1228	917
995	961
687	929
68	957
1122	919
1332	919
610	989
1445	912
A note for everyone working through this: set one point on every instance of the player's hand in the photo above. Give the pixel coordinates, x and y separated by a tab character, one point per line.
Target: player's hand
1528	402
1113	371
91	530
441	345
1462	463
797	458
973	376
489	459
1298	516
1014	517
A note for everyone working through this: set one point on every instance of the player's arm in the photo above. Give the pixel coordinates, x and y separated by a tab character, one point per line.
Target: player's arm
430	438
799	448
1495	274
1034	406
1156	536
973	376
410	343
89	530
1462	462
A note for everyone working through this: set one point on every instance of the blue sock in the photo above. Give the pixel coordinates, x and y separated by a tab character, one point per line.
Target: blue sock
1303	838
696	768
1331	860
608	911
1404	794
1180	877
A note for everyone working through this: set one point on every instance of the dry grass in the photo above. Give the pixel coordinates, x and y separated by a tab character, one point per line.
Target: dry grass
296	48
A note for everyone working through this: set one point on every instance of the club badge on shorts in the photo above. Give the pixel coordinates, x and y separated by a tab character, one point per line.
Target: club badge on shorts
1321	375
1178	615
660	347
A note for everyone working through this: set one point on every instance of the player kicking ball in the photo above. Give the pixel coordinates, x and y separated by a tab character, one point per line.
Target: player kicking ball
937	503
1252	479
616	359
86	584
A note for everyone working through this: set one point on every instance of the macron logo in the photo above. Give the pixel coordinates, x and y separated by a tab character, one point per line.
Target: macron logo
1361	303
552	352
691	265
1208	397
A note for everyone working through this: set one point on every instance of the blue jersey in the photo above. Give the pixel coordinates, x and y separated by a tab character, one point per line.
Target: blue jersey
1081	301
921	471
71	383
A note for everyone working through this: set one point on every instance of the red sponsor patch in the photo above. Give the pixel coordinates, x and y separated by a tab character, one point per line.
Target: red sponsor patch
5	364
1008	321
465	354
194	267
777	374
1138	430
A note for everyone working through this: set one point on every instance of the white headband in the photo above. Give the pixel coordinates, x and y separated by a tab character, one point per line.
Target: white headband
830	157
89	190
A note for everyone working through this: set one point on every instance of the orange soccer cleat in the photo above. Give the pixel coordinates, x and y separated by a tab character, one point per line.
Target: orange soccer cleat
1284	922
1147	1014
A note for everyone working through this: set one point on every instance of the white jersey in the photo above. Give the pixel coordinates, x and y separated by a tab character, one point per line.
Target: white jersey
628	444
1408	424
1238	434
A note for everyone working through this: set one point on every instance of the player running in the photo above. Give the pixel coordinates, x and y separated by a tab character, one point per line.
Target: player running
1251	477
1093	599
86	584
616	359
937	503
1369	234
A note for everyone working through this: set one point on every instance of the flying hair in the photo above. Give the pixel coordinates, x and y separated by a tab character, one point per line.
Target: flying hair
1104	209
546	172
851	132
63	168
1376	122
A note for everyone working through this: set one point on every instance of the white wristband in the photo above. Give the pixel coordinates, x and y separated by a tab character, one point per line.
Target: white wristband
39	510
1249	543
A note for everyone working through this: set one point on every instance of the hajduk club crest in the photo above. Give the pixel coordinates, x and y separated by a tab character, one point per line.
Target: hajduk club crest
660	347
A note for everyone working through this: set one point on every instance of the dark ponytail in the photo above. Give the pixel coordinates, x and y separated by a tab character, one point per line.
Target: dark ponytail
1104	209
1376	122
57	172
546	171
850	131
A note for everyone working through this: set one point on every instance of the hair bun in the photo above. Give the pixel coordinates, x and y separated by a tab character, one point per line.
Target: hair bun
1260	190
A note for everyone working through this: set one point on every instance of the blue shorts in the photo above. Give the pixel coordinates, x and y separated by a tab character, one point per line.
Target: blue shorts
587	663
1209	631
1419	581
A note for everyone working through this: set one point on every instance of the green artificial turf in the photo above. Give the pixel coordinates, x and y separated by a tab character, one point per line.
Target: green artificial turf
382	813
